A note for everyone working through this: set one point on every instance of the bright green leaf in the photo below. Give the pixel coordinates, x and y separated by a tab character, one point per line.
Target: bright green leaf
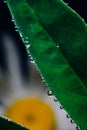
57	42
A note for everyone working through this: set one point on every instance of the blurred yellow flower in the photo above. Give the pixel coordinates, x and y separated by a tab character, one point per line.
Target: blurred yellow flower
33	113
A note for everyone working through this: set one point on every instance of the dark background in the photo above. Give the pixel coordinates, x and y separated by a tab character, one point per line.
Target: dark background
80	6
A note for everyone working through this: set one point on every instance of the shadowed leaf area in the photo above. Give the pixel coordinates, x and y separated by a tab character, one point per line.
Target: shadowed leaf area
9	125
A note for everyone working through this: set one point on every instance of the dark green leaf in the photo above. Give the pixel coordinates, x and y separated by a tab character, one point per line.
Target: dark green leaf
6	124
57	39
67	29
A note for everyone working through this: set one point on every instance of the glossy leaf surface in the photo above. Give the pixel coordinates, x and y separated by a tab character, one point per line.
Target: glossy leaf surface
57	42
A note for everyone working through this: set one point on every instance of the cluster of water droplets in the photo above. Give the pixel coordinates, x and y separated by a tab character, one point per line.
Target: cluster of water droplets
8	119
50	93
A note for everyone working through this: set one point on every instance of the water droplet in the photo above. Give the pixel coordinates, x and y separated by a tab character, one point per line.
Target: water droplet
21	125
50	93
31	58
29	54
21	34
26	37
55	100
9	119
57	46
12	20
68	116
83	20
27	46
61	107
77	128
42	78
72	121
43	81
4	1
32	61
16	30
26	42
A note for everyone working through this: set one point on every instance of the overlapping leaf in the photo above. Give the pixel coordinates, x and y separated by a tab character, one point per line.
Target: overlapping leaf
6	124
57	42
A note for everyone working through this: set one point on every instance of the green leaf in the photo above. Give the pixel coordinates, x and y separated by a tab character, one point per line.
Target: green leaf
6	124
57	42
68	31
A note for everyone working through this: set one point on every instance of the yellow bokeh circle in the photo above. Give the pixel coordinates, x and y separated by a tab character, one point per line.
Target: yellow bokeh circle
33	113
